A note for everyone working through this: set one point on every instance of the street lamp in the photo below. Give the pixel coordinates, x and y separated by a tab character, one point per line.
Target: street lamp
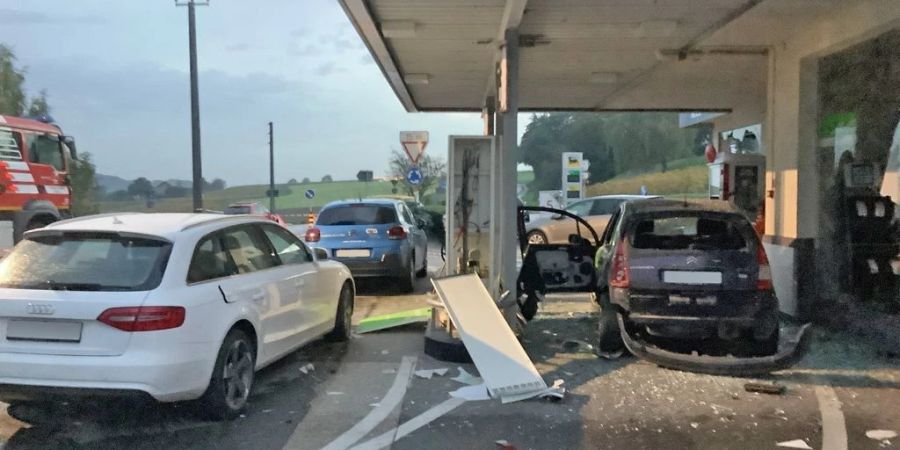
195	103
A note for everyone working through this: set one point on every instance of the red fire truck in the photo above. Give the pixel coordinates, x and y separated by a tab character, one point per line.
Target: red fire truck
35	158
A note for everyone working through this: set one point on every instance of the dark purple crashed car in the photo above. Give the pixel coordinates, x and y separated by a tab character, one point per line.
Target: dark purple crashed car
686	278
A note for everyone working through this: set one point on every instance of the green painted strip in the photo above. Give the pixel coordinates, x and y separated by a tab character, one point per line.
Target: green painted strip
393	320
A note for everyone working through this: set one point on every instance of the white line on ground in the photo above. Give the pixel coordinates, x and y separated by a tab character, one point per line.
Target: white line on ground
834	429
391	399
410	425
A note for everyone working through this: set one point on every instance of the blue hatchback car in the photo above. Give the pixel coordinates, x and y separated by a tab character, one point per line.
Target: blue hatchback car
373	238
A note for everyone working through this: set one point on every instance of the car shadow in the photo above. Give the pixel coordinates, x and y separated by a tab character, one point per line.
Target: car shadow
280	399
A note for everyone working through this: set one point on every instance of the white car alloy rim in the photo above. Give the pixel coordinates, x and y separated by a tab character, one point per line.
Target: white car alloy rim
238	374
536	238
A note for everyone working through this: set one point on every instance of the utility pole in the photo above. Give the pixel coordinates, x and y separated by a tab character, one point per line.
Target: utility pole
271	169
195	105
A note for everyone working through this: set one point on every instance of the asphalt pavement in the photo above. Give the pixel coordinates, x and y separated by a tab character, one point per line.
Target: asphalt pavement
362	393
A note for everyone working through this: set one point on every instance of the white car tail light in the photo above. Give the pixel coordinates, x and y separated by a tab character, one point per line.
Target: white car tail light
143	318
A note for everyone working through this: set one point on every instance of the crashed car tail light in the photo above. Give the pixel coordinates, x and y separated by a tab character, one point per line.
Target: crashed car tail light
764	280
621	278
313	234
397	232
143	318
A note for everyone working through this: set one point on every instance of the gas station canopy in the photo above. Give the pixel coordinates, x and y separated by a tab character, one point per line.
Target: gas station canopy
677	55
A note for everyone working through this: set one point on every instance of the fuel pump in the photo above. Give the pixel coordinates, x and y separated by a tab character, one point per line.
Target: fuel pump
738	178
868	229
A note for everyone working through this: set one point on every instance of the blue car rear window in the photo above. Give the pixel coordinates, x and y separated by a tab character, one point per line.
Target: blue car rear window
358	214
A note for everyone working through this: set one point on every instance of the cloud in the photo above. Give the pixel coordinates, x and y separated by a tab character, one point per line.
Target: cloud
11	17
328	68
296	49
238	47
135	120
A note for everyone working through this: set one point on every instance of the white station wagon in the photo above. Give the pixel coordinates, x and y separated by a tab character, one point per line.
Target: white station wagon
177	306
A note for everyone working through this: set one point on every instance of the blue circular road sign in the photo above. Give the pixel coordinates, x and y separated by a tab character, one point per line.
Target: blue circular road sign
310	194
414	176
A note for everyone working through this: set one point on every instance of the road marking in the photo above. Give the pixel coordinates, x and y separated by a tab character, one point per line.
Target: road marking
834	429
391	399
410	425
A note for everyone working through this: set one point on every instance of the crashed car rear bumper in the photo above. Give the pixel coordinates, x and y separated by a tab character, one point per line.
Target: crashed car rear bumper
792	346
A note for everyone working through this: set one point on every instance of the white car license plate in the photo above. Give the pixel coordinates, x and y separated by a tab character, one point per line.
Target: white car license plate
43	330
353	253
692	277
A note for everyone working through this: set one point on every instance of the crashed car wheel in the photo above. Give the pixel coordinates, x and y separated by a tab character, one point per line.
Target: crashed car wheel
610	338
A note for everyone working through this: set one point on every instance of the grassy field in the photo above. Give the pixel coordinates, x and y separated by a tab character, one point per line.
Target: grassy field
292	196
688	180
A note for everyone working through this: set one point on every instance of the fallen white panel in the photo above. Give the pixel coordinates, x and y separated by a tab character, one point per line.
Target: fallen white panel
472	393
500	359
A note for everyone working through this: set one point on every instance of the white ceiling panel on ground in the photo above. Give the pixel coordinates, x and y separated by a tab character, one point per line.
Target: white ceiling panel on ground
575	54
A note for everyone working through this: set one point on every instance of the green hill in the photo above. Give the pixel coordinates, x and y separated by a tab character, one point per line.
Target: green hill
688	180
291	196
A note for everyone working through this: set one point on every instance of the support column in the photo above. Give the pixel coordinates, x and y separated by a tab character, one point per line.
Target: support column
508	154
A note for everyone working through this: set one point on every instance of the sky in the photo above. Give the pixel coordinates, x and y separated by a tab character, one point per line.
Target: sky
116	73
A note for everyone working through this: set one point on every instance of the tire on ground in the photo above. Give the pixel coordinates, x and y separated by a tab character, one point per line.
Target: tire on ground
342	322
213	403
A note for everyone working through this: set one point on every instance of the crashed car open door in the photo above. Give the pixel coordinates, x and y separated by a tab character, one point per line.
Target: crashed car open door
549	268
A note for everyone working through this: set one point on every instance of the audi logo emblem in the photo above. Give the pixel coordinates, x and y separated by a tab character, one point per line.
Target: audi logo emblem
39	308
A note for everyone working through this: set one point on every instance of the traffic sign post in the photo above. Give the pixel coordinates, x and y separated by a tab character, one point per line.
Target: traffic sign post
414	177
414	143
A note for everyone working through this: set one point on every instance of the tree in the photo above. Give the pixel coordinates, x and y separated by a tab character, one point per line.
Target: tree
141	187
84	186
306	180
176	192
614	143
432	170
293	181
39	105
217	185
119	196
327	179
12	97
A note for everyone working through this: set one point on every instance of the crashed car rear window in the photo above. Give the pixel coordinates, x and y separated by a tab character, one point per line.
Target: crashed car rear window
687	232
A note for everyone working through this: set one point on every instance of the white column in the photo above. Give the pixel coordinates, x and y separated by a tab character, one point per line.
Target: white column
508	154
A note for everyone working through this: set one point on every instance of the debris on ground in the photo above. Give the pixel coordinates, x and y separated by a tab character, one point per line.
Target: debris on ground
557	391
393	320
503	444
881	435
502	362
428	373
466	377
577	346
765	388
796	443
472	393
309	367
